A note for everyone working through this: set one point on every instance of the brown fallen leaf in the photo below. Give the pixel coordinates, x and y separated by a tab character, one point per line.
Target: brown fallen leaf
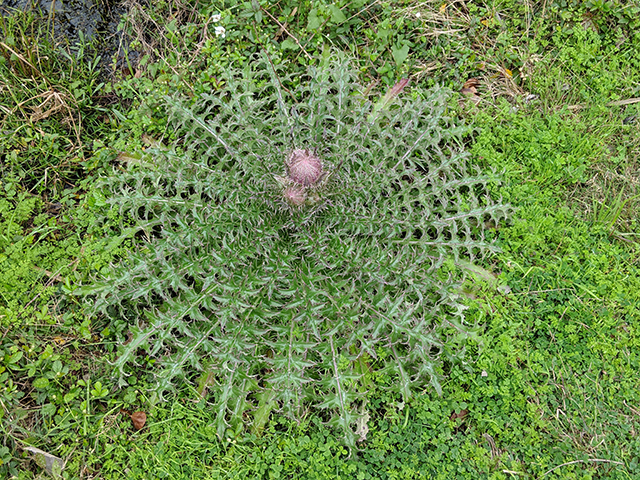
469	90
472	83
460	415
138	419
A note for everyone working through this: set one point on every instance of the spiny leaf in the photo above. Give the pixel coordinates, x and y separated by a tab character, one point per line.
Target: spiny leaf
276	302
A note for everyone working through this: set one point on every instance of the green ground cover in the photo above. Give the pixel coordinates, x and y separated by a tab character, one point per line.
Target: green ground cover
548	386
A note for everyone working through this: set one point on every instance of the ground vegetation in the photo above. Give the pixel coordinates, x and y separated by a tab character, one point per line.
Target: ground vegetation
533	104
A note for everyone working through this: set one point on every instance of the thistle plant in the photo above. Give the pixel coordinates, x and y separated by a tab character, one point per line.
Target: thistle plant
293	239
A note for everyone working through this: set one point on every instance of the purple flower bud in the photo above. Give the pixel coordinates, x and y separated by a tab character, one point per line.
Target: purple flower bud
305	168
295	195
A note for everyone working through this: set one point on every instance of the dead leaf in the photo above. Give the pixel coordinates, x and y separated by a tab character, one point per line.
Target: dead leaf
138	419
52	464
471	83
385	101
470	90
460	415
619	103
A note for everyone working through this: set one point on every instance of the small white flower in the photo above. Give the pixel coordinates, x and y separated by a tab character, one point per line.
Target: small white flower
418	14
220	32
216	18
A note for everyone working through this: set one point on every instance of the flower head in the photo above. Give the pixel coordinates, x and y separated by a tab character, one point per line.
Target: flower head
305	168
216	18
295	195
220	32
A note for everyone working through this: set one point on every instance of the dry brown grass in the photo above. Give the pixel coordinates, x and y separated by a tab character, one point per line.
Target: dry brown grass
156	38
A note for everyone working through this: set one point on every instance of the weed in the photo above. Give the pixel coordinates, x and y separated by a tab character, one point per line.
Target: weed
548	388
48	106
305	171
